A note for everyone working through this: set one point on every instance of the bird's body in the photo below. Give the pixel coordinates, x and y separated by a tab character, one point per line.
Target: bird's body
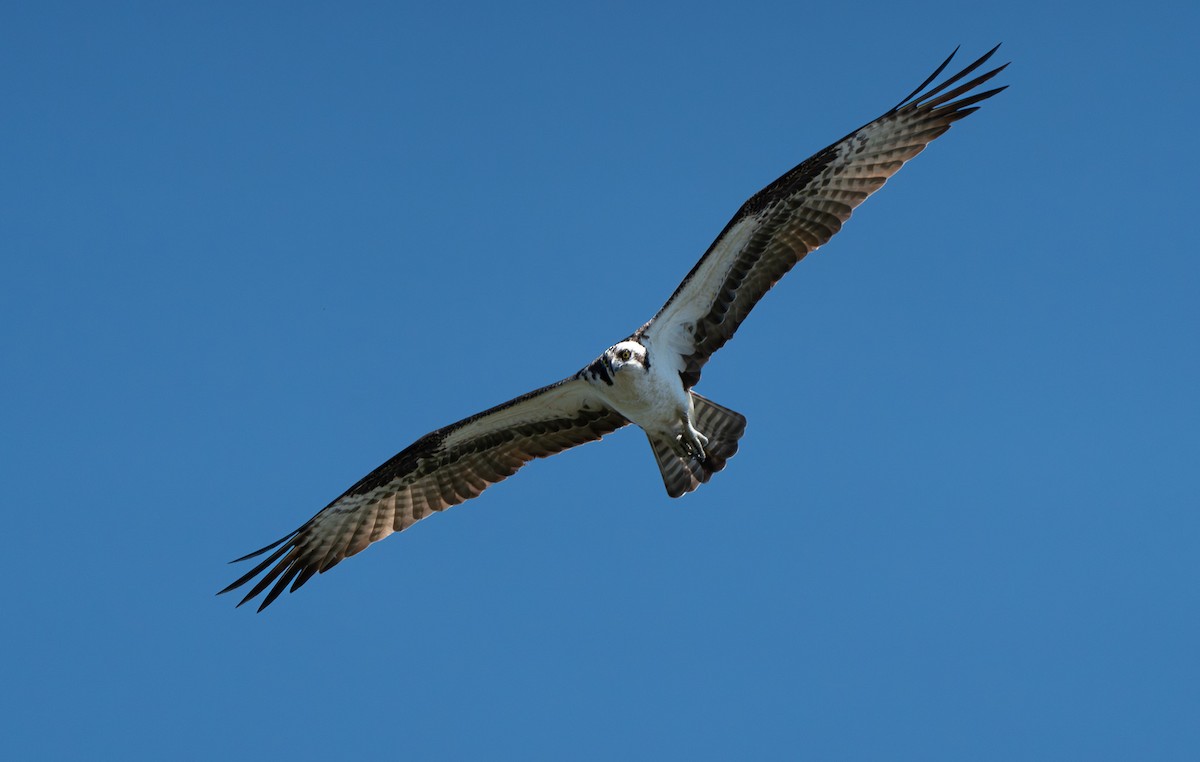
647	378
649	394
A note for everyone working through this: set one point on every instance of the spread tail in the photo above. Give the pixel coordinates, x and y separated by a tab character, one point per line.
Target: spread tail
722	426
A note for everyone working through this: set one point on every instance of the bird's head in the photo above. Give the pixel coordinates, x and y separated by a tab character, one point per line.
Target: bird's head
627	355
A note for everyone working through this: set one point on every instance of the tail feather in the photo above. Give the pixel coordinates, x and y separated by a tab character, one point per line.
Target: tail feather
722	426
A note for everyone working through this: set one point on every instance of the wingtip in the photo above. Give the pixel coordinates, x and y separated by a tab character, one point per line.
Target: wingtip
991	52
986	56
260	551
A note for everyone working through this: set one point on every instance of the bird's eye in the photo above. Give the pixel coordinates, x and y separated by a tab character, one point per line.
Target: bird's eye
624	354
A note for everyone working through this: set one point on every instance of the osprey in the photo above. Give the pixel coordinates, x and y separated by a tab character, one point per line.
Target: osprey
646	379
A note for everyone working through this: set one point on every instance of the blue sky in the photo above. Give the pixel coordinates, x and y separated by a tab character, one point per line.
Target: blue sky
253	250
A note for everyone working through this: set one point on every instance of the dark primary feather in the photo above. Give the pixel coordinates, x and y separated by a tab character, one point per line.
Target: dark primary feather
800	211
439	470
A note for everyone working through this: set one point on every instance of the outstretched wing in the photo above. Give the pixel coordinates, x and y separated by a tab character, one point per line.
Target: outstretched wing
439	470
800	211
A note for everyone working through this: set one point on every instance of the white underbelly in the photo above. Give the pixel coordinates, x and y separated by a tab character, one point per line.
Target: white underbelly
655	401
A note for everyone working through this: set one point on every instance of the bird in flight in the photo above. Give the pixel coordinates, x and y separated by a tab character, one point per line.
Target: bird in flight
647	378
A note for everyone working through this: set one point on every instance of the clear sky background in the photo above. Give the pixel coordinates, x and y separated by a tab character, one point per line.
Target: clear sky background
250	251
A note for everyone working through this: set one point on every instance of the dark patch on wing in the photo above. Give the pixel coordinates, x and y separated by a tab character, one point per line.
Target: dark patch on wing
598	370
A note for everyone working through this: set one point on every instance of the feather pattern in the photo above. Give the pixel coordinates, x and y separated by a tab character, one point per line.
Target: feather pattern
441	469
800	211
723	427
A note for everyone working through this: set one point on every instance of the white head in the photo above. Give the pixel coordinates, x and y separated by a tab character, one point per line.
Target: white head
627	354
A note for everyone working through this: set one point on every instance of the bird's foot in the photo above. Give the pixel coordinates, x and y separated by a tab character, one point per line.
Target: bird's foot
692	443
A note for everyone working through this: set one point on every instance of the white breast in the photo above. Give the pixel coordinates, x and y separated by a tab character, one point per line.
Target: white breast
653	399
